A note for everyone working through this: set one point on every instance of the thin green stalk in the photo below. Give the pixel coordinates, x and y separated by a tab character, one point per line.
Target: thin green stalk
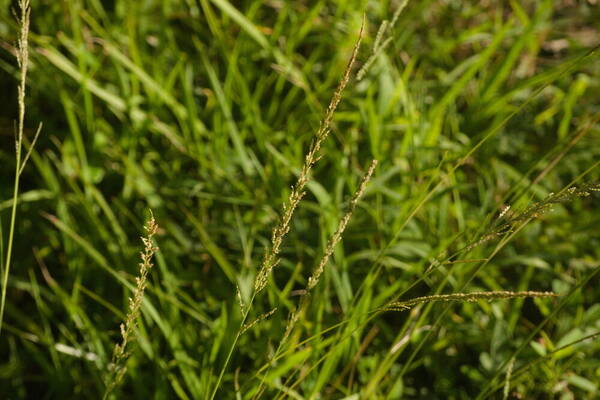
232	347
23	61
318	271
271	259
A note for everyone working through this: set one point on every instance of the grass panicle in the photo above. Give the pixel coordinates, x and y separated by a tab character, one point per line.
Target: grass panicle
22	54
463	297
379	46
270	259
537	209
337	236
316	274
117	367
509	370
509	220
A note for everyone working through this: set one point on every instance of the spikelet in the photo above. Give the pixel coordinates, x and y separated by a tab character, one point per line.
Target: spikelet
257	320
238	294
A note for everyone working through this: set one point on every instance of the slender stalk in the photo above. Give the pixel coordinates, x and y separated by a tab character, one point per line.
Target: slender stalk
271	259
318	271
233	345
23	61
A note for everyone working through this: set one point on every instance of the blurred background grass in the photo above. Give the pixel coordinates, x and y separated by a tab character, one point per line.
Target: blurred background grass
202	111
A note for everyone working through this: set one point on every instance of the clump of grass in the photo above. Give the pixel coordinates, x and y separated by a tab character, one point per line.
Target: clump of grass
117	367
194	365
507	223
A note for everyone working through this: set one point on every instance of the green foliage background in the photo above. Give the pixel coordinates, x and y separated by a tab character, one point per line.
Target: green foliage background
202	111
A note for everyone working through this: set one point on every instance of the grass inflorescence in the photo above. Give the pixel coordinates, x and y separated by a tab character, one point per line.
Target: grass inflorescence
22	56
463	297
118	367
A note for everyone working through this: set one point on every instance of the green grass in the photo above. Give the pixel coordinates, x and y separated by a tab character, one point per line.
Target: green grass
203	111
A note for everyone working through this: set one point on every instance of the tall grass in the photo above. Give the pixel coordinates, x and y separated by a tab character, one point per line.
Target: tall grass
22	55
270	259
474	120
